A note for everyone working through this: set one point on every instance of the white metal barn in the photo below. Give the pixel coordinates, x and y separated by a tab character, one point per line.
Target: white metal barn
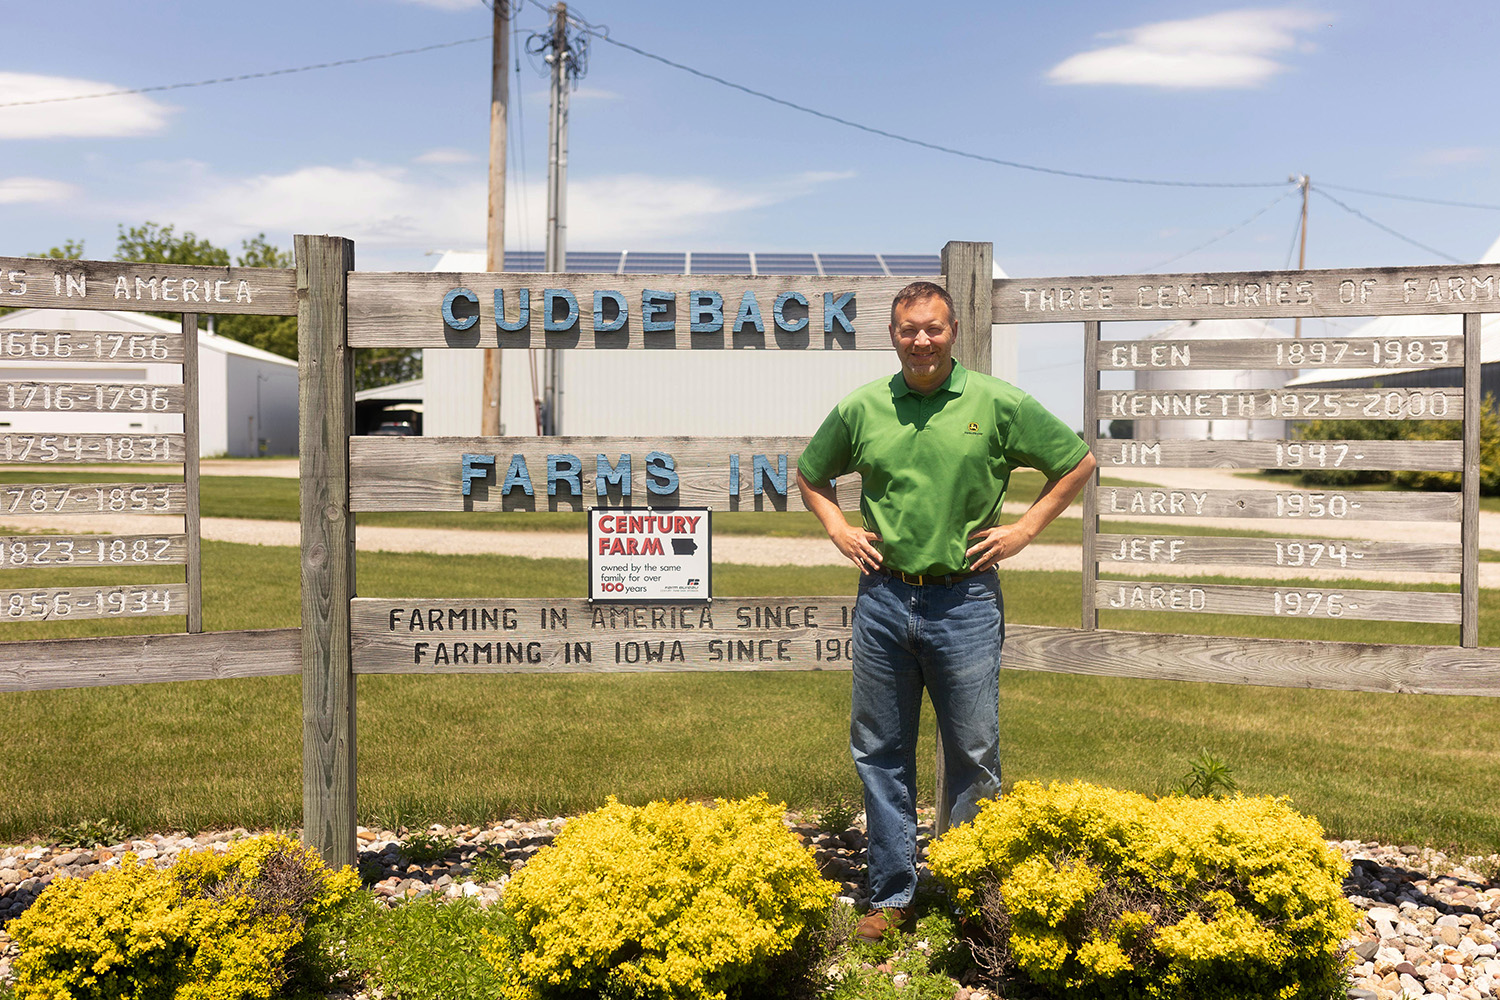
1398	376
247	396
643	393
1224	429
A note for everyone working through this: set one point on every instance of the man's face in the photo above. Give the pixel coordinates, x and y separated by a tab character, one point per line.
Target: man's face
923	336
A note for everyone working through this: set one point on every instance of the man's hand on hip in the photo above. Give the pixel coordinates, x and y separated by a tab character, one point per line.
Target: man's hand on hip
991	545
858	546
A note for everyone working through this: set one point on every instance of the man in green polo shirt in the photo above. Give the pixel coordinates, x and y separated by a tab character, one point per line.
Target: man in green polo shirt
934	446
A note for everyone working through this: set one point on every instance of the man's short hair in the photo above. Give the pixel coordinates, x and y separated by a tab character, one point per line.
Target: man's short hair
918	290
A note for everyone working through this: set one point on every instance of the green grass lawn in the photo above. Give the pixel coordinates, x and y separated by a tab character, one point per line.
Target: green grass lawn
197	755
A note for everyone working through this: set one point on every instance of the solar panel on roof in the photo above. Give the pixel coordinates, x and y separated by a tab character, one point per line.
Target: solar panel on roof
720	263
850	263
785	263
654	262
523	260
592	260
913	263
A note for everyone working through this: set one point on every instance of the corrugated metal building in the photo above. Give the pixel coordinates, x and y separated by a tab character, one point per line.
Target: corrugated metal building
247	397
1217	381
642	393
1399	377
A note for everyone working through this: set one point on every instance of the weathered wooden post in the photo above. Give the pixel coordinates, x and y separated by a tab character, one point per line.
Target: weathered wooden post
1468	629
191	428
326	402
969	270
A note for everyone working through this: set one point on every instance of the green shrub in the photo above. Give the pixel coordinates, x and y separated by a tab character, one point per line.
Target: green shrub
1116	895
1408	430
429	949
212	927
423	848
668	900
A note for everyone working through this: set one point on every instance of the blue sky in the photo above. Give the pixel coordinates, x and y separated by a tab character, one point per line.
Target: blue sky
1374	94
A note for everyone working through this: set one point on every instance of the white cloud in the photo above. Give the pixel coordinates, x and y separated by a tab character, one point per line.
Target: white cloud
1231	49
390	206
22	190
1452	157
446	156
593	94
127	114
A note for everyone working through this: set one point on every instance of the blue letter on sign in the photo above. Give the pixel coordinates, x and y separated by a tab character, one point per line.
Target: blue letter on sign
833	309
653	304
550	322
452	320
523	296
602	325
763	472
708	312
564	469
659	466
474	468
749	312
734	474
517	475
778	312
605	476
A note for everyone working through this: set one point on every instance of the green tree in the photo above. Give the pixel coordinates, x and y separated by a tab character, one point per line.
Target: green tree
70	250
1410	430
152	244
277	334
149	243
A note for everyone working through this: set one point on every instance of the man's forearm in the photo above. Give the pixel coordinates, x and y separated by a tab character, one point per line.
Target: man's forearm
1055	497
823	504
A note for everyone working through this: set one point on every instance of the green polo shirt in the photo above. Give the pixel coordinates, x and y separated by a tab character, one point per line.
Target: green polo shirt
934	469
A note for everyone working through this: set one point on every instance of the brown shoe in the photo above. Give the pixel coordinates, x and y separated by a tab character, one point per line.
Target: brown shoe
877	922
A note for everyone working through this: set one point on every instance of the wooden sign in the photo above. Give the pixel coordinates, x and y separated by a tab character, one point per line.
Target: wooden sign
576	473
1300	505
93	498
90	397
1334	554
67	603
41	282
611	311
1282	404
110	449
1437	456
73	551
1279	353
1163	298
540	635
1282	602
88	346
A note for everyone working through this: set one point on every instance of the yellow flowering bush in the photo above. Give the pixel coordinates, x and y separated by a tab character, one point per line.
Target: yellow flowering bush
667	900
215	926
1118	895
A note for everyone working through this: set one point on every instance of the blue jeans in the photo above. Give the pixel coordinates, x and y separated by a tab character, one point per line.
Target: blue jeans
946	639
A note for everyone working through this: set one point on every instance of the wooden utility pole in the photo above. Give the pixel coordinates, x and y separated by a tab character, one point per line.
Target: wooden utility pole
494	260
557	194
1302	254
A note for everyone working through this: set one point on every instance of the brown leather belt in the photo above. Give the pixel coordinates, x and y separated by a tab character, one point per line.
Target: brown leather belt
929	579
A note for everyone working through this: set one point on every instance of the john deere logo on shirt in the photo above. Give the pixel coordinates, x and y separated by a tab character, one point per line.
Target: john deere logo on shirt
973	428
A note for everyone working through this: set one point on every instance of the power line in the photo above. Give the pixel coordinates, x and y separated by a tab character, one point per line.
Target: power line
1232	229
1412	197
1081	175
1382	226
244	76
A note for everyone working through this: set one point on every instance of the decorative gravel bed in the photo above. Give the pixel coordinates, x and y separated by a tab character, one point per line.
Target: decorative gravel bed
1431	925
